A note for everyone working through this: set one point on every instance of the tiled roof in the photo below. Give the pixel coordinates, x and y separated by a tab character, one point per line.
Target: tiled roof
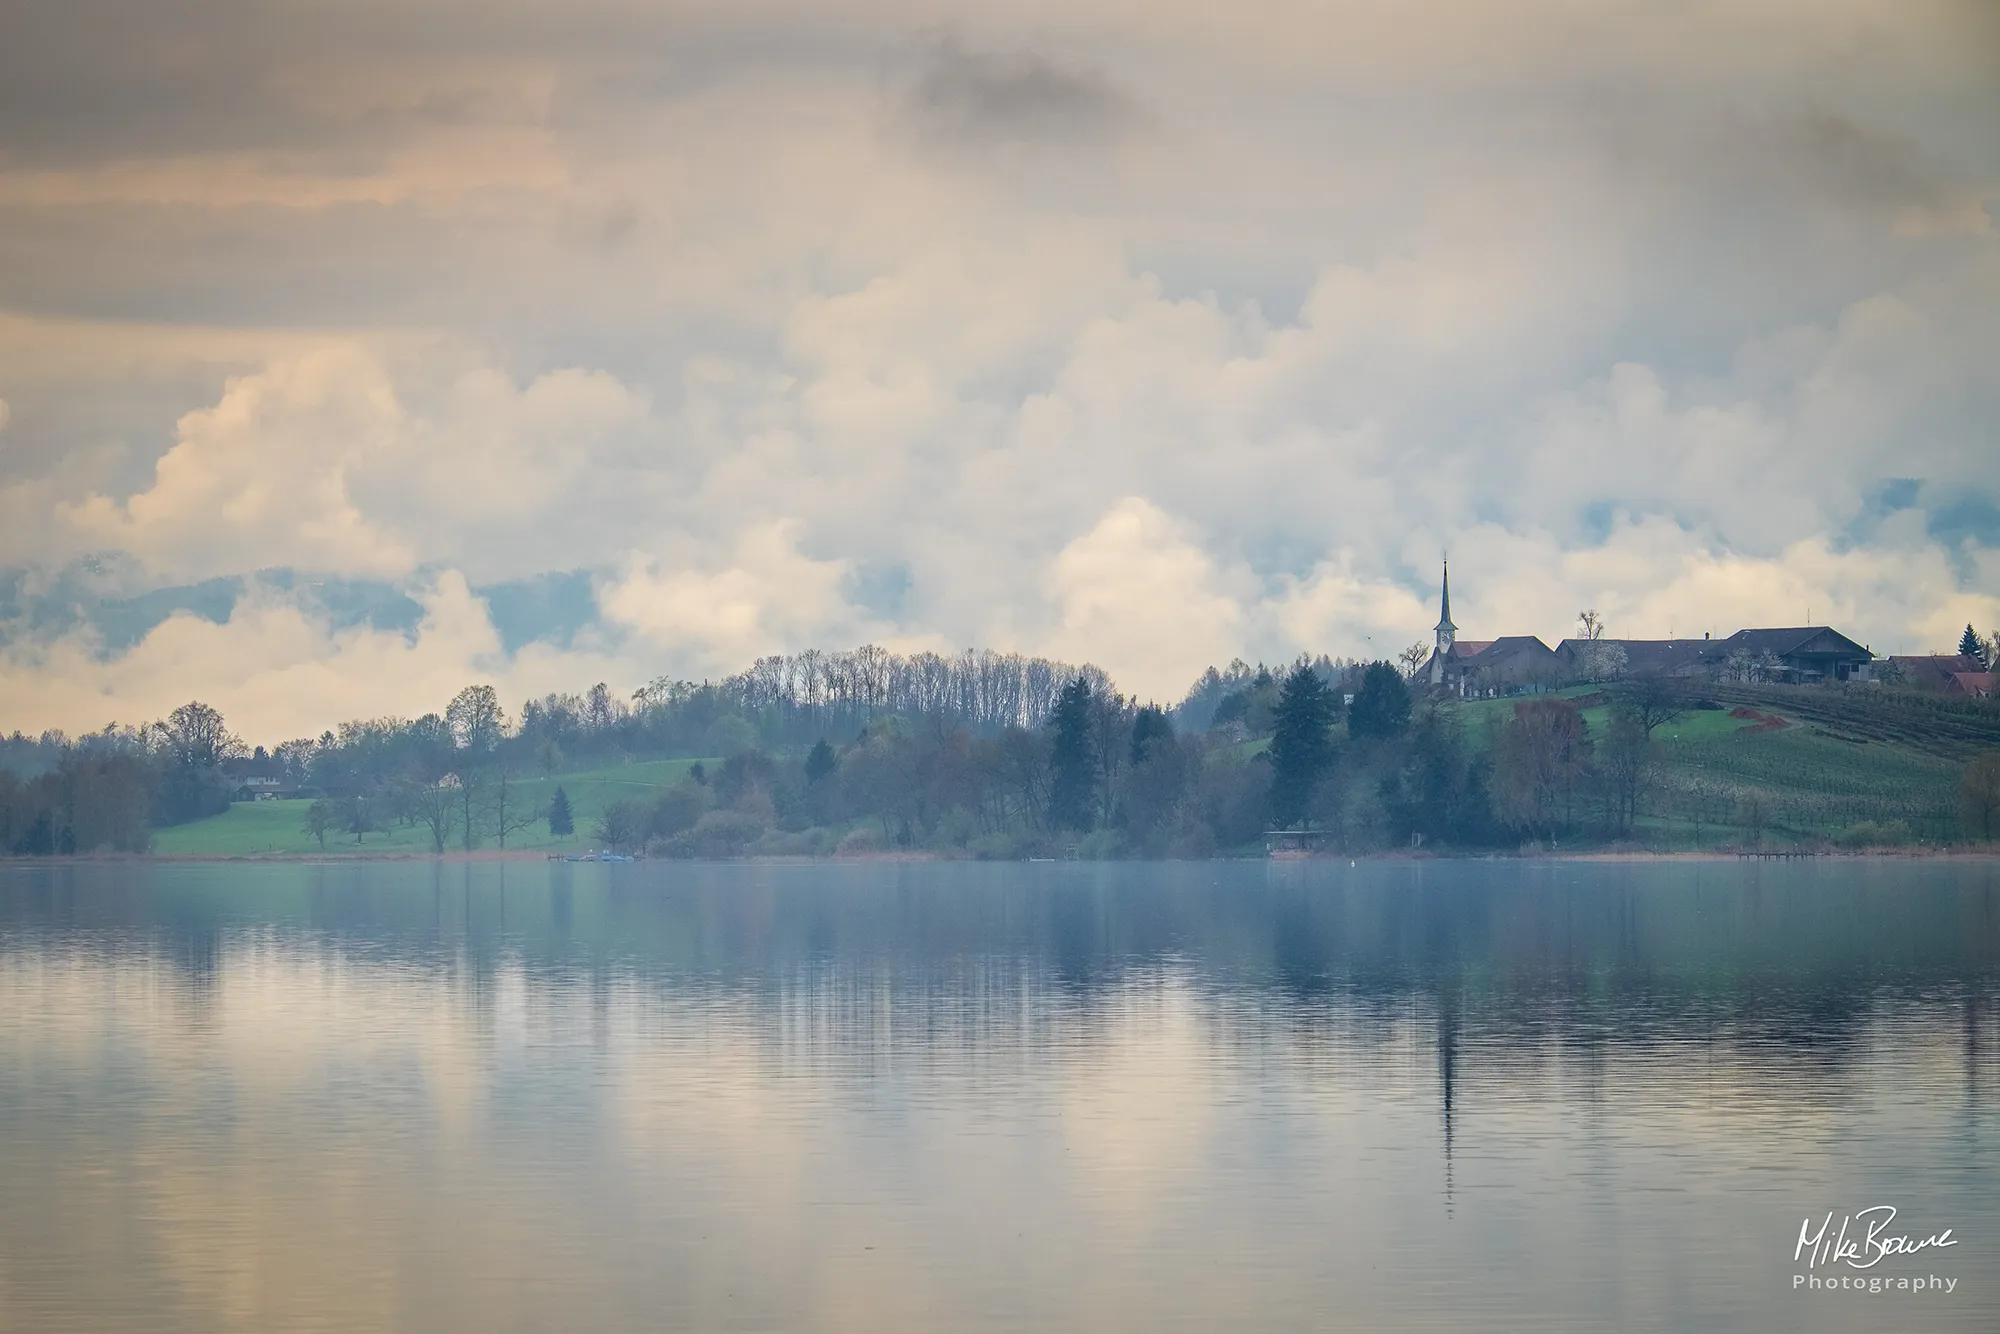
1790	639
1975	683
1934	669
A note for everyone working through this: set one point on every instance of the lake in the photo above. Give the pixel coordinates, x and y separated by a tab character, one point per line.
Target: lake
916	1097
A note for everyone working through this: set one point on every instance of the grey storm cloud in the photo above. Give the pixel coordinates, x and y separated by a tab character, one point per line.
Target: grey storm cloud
1016	97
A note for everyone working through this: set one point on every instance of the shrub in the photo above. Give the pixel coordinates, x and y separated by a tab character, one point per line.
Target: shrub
622	826
1874	834
1979	798
859	843
676	810
723	834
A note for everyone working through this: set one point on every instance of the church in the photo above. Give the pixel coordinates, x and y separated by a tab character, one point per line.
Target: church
1523	664
1509	665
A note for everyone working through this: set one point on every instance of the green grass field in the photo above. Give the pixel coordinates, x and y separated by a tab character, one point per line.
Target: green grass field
1806	781
277	828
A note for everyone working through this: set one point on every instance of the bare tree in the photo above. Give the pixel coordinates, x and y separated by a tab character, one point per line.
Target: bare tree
1591	625
1625	762
435	806
1652	701
196	737
358	813
510	815
1753	813
1412	658
319	819
1979	798
1539	759
1708	799
476	720
469	787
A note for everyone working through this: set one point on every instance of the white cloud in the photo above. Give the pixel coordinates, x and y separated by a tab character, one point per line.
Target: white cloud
263	478
1139	598
278	671
316	462
769	598
813	348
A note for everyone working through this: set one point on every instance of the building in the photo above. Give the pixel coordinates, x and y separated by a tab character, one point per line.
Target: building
1513	664
1978	685
264	787
1608	659
1504	666
1801	655
1447	635
1931	671
1798	656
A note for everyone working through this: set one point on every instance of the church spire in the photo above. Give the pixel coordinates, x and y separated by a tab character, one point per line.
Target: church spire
1447	633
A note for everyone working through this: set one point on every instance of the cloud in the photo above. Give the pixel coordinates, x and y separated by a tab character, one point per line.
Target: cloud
770	598
664	295
984	100
263	477
277	670
316	462
1140	598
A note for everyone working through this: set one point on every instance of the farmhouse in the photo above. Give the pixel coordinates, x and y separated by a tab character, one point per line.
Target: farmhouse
1979	685
1603	659
1932	671
1802	655
1514	664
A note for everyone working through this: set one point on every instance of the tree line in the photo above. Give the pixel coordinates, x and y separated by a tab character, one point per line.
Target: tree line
109	790
982	754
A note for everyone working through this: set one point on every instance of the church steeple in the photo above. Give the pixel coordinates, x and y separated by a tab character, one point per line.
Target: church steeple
1447	633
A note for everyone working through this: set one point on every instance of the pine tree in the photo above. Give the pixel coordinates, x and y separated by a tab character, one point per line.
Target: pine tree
1970	643
1301	749
820	762
1381	706
1073	777
1150	725
562	821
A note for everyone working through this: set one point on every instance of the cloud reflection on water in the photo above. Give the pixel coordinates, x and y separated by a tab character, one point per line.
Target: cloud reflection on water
369	1097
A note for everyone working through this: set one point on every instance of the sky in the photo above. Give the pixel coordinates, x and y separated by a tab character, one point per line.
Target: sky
351	354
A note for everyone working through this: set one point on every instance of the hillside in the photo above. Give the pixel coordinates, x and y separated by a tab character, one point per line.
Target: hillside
1763	766
1778	764
277	828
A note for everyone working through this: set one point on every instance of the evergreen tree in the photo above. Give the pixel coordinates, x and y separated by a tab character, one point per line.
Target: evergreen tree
1970	643
562	821
1381	707
1073	770
820	762
1148	726
1439	791
1301	749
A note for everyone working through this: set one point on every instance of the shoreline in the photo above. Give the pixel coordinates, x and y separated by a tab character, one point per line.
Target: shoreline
495	855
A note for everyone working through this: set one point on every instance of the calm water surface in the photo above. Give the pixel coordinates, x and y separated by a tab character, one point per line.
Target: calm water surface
914	1097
